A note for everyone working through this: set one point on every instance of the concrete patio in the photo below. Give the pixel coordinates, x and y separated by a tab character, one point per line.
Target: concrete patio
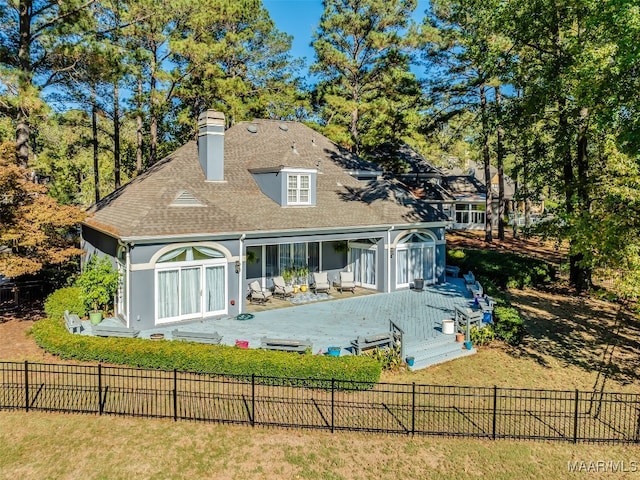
336	322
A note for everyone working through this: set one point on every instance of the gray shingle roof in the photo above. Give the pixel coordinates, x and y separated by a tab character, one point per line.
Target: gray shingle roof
143	207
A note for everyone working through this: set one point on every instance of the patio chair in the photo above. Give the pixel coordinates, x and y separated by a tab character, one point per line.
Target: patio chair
257	294
280	288
475	289
469	278
346	282
320	282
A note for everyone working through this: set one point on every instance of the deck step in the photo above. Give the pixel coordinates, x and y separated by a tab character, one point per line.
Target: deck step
432	352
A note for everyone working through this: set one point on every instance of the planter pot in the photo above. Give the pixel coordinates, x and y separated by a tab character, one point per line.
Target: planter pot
242	343
334	351
410	361
418	284
468	345
157	336
448	327
95	317
459	337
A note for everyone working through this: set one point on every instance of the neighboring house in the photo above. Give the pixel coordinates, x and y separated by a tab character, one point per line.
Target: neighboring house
460	194
239	205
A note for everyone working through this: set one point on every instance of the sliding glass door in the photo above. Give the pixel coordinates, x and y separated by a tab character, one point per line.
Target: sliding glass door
363	264
190	284
415	258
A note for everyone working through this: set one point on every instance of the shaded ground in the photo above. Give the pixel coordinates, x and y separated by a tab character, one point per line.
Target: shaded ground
15	342
546	250
595	336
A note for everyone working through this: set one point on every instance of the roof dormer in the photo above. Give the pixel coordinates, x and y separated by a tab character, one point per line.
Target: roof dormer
288	186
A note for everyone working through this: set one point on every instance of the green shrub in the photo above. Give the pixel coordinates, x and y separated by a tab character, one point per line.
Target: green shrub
67	298
482	336
52	336
388	358
509	325
98	283
506	270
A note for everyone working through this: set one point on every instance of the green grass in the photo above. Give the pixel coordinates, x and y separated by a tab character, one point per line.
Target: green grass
43	445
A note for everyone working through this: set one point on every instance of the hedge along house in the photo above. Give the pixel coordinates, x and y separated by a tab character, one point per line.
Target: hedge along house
193	231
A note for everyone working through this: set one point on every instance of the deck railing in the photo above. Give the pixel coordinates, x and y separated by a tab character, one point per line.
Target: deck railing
12	295
410	409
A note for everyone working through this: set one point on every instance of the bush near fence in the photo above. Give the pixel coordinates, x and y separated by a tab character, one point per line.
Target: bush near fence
52	336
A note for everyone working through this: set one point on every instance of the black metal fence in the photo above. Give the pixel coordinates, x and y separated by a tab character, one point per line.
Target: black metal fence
487	412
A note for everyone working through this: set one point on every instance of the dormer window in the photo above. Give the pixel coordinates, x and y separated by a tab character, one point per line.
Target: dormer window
288	186
298	189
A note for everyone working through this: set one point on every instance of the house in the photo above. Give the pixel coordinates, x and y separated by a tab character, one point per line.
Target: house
240	205
459	193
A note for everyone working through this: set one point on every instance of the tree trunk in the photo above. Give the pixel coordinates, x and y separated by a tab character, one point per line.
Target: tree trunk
23	133
153	140
94	133
153	114
23	129
139	129
580	275
354	132
500	161
116	134
488	236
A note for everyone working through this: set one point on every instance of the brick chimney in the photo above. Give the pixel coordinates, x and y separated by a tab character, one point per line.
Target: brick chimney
211	145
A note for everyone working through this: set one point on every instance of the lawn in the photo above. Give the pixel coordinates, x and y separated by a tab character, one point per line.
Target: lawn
42	445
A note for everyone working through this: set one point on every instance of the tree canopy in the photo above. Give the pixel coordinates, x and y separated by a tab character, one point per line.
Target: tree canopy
92	92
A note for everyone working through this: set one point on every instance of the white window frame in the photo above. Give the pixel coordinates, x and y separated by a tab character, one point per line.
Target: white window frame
470	214
429	242
295	192
202	266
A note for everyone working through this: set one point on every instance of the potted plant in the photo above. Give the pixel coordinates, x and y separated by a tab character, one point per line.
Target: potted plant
287	275
303	277
98	284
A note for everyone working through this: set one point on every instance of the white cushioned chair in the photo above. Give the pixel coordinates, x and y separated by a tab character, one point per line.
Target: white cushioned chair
320	282
257	294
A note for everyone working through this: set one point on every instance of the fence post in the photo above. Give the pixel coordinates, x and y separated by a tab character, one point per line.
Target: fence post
175	395
575	417
413	408
26	385
333	401
253	399
100	405
495	411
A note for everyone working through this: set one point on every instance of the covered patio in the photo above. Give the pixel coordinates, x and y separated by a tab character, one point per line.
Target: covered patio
339	320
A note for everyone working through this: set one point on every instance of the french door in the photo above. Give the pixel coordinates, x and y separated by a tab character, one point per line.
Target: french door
415	258
363	265
185	292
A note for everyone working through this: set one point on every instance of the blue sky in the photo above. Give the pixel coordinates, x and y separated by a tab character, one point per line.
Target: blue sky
300	18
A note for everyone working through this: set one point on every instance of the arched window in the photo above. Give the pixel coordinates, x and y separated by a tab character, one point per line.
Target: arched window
415	258
191	282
